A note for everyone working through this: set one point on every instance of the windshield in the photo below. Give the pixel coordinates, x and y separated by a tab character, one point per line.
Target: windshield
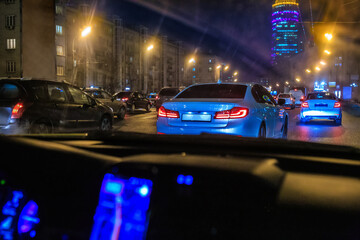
214	91
328	96
229	61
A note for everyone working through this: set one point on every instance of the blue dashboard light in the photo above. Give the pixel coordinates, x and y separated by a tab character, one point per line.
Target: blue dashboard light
122	212
113	187
144	191
181	179
187	180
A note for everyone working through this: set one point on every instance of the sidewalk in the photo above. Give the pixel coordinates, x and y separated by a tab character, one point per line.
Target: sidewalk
351	108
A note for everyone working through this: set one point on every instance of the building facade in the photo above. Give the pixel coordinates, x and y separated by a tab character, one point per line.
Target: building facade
26	39
287	30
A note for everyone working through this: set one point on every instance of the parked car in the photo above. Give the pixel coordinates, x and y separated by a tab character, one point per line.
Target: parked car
289	100
321	105
236	109
166	94
38	106
118	106
134	100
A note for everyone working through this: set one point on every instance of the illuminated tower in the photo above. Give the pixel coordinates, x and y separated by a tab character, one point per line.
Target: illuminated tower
287	30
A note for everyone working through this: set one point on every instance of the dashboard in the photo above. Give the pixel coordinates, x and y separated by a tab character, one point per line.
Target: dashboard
53	188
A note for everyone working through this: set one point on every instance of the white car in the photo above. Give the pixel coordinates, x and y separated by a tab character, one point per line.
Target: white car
289	100
298	95
245	110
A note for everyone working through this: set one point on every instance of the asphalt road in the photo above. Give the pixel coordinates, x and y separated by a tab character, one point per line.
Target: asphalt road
314	131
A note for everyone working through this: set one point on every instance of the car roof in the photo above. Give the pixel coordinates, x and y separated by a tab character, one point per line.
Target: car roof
245	84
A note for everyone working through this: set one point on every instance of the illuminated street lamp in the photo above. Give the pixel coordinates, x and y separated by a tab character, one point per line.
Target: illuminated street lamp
218	66
327	52
226	67
323	63
298	79
308	70
86	31
150	47
192	60
317	68
235	73
287	83
328	36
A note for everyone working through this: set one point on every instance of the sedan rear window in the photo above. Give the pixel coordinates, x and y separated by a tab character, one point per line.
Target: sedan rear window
214	91
284	96
9	91
324	95
123	94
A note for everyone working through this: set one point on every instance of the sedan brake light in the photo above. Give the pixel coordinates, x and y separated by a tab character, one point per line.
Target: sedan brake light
17	111
163	112
124	99
236	112
305	105
337	105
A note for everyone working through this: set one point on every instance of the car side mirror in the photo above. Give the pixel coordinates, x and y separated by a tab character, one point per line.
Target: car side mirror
281	102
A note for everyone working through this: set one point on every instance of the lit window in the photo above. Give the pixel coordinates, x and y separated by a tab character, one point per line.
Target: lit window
210	61
60	70
11	43
194	69
10	66
10	22
59	10
210	69
60	50
59	30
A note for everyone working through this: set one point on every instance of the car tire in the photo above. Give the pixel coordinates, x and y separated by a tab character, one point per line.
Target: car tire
132	108
41	127
338	122
105	124
285	129
148	107
262	131
122	113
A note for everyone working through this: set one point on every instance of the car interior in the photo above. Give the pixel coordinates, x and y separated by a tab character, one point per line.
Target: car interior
138	186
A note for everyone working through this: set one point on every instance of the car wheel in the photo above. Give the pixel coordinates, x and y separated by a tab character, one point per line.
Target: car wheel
262	131
338	122
41	127
133	107
121	114
285	129
148	107
105	124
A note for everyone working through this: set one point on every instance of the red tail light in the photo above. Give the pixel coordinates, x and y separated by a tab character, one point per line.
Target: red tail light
236	112
157	97
124	99
302	98
337	105
17	111
163	112
305	105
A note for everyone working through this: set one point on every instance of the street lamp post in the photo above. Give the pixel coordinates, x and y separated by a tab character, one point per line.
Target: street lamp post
84	33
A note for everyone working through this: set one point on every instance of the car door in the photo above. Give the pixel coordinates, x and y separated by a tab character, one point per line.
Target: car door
277	113
270	110
137	100
144	100
63	113
86	111
110	101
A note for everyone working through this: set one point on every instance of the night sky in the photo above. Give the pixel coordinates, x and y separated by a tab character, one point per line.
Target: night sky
239	31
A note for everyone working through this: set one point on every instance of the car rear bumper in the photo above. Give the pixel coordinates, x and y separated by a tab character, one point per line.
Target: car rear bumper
13	129
244	128
320	114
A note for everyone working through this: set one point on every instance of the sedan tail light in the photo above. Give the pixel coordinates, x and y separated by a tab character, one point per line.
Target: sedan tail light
124	99
337	105
236	112
305	105
17	111
163	112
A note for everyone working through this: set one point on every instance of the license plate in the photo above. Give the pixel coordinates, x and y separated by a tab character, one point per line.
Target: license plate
321	105
196	117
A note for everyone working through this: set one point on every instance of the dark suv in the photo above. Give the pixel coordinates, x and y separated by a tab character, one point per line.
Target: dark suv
134	100
38	106
166	94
